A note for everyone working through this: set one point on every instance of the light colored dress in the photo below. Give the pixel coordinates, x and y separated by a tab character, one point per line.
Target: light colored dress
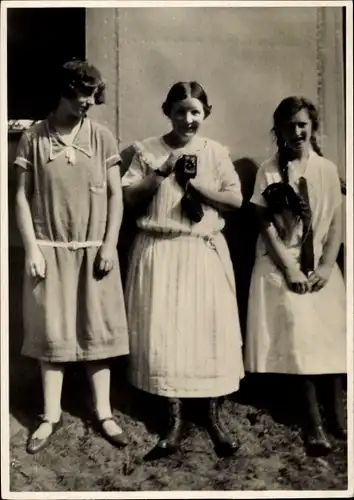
71	315
185	338
288	332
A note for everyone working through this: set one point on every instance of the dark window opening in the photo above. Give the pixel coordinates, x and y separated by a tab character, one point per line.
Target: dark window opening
39	40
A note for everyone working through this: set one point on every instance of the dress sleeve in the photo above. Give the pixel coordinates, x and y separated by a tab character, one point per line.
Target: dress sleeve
112	156
24	153
259	186
136	170
229	180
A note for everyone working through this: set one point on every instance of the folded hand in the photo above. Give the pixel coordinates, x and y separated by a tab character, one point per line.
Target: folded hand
319	277
297	281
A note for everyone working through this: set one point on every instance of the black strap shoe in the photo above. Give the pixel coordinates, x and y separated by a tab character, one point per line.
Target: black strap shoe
35	444
120	439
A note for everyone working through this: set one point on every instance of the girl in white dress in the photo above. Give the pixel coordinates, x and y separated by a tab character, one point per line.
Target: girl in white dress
296	315
185	339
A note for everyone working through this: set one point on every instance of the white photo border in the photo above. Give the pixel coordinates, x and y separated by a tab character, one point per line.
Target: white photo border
4	278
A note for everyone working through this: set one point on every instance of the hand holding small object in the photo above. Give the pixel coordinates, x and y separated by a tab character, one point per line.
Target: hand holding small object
168	166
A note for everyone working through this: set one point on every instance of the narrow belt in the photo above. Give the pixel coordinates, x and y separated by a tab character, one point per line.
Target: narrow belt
208	238
70	245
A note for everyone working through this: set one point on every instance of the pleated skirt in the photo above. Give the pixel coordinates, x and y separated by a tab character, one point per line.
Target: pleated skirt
184	330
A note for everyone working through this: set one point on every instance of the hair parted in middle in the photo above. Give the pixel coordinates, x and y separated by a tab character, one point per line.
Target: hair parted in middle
182	90
288	108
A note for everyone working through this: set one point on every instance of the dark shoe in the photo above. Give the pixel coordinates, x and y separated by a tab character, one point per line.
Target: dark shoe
317	442
224	444
338	431
120	440
170	443
35	444
336	422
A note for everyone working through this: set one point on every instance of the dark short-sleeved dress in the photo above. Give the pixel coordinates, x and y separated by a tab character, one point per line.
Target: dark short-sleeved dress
71	315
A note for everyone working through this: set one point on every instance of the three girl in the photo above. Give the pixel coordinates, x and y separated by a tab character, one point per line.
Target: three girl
184	332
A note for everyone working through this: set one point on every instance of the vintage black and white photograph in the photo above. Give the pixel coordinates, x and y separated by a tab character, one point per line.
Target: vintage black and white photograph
176	249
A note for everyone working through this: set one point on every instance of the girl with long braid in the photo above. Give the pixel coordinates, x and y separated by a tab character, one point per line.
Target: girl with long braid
296	319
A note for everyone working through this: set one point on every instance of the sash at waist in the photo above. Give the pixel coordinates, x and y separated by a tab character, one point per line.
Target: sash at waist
70	245
208	238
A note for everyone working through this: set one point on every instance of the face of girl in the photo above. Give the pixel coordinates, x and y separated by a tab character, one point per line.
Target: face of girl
186	117
82	102
297	131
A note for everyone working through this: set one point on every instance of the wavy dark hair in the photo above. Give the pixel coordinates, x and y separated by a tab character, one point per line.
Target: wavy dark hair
180	91
78	75
284	112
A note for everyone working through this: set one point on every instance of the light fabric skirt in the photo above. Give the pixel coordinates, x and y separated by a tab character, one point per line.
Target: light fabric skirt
185	338
292	333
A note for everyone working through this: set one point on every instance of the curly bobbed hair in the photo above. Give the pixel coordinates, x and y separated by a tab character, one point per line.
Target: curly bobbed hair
182	90
78	75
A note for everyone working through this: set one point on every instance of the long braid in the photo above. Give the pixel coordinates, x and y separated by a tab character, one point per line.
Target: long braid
288	108
283	161
315	145
283	156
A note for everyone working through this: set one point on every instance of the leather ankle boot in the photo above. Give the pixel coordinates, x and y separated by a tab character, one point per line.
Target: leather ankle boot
224	444
170	442
317	441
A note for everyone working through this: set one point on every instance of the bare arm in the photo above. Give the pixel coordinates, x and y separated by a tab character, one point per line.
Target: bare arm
330	252
331	248
108	250
220	200
228	196
115	207
141	192
23	212
276	248
34	261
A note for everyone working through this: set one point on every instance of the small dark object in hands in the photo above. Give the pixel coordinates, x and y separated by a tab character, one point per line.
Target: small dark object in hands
186	169
280	196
